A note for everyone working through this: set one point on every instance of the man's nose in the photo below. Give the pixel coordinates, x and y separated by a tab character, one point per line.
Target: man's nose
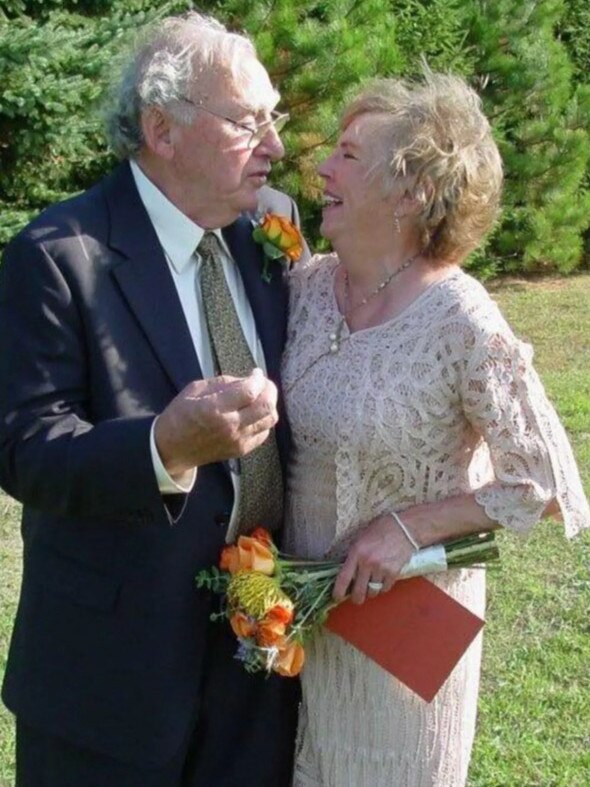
271	145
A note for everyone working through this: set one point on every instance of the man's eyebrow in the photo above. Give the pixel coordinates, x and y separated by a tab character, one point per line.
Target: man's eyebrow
252	109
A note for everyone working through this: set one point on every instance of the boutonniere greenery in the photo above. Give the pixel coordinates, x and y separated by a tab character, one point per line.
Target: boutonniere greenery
280	239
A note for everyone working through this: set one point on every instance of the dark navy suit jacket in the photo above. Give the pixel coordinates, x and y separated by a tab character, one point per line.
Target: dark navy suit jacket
109	634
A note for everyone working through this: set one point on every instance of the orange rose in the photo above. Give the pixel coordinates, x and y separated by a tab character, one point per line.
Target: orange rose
272	628
281	612
261	534
253	555
242	625
290	660
270	632
249	554
283	234
230	559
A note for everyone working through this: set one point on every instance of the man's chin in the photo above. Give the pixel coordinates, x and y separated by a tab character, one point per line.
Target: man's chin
249	202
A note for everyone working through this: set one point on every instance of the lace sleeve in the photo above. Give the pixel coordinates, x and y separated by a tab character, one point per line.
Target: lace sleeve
533	463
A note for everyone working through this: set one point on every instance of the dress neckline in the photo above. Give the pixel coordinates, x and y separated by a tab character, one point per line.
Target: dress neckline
456	271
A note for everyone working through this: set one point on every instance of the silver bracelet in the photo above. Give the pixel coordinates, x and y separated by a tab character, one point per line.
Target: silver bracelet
406	532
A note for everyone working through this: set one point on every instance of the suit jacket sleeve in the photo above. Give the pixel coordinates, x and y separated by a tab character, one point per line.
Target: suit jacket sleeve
52	456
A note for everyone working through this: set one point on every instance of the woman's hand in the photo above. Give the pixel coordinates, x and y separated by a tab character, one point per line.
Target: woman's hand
382	549
378	555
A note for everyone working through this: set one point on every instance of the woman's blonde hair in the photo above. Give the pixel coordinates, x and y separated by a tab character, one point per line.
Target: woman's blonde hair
435	137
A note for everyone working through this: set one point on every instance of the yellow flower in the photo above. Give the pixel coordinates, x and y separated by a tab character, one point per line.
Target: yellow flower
255	594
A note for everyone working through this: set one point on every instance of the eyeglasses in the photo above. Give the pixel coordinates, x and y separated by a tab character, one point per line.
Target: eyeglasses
257	133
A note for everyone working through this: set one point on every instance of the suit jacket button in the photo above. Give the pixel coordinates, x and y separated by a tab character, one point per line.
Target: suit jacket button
222	519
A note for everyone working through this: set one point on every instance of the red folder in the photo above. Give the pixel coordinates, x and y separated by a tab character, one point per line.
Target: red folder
416	631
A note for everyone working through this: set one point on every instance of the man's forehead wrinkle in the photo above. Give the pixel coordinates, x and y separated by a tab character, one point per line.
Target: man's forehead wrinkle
254	87
248	90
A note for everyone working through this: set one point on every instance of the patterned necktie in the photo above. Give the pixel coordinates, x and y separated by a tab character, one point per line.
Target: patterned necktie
261	481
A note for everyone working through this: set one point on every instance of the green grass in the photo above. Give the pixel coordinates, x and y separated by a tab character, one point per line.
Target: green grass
10	564
534	708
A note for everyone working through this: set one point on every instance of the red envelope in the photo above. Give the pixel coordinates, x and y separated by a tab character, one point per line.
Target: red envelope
416	631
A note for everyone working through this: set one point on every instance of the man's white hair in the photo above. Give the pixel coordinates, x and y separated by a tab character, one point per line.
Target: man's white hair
164	69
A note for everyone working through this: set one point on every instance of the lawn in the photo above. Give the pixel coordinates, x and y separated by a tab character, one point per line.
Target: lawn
534	710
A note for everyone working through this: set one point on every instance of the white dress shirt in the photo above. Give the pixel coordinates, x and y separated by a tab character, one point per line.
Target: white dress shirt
180	237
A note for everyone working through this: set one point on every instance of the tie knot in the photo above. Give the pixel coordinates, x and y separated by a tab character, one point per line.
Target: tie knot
209	245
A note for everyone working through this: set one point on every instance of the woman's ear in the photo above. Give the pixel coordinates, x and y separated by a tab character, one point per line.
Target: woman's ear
156	128
415	198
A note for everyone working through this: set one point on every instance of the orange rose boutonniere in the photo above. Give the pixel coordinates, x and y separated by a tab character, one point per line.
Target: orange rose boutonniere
279	239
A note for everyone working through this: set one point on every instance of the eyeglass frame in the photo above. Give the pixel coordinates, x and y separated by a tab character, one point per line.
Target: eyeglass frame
277	121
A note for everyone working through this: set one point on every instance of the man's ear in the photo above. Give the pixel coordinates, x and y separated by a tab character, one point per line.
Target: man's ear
156	128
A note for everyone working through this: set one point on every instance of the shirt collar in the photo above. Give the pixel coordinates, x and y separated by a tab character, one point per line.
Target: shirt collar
178	234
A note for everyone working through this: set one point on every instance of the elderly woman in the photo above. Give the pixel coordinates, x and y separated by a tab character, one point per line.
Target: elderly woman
416	417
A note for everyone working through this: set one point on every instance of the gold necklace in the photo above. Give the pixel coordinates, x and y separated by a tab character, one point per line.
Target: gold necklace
336	336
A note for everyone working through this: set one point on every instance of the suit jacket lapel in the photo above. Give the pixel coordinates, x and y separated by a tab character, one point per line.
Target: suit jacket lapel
144	278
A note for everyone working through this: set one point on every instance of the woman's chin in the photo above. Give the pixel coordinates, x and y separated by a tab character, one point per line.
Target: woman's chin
329	230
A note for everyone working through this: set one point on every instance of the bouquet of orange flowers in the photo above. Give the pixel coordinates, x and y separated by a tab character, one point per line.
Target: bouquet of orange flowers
274	601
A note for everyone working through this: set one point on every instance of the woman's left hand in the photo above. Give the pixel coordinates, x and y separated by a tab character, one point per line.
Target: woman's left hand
378	555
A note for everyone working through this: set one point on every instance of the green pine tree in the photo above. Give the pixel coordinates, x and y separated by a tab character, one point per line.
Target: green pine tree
56	57
574	30
53	68
541	120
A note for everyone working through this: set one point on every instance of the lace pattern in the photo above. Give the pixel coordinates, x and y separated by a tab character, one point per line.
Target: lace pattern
439	401
436	402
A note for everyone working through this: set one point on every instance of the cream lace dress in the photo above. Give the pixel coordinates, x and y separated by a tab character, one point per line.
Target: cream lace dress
414	410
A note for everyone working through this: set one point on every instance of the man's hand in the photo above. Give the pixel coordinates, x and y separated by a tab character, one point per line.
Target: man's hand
215	419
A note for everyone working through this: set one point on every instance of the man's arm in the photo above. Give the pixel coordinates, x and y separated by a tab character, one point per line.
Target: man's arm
52	456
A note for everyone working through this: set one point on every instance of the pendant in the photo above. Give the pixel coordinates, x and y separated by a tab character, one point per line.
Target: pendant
335	338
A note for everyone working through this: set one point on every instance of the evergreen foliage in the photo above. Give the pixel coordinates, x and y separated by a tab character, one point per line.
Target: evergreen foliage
528	58
541	122
432	30
52	75
574	31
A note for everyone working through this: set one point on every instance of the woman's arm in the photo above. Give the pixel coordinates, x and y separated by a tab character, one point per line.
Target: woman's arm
383	548
535	472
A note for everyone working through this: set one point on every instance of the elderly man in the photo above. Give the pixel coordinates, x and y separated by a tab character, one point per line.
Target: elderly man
139	356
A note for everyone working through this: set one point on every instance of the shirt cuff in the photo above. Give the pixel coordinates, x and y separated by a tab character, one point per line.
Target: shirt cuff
166	484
